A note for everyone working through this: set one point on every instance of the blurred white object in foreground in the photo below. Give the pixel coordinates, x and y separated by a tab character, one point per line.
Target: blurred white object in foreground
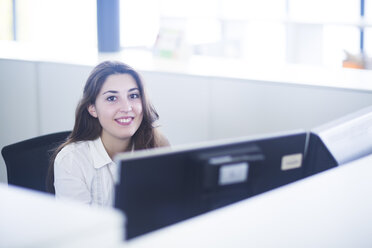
30	219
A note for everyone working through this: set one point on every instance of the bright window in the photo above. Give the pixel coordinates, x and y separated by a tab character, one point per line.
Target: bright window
62	23
336	40
247	29
368	30
6	20
325	10
263	31
368	41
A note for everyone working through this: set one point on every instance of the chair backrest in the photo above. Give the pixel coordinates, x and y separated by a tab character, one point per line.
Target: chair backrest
27	161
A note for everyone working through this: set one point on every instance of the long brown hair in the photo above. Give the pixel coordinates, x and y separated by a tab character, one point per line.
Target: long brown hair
88	128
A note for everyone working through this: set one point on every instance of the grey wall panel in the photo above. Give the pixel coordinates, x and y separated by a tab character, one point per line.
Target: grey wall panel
18	104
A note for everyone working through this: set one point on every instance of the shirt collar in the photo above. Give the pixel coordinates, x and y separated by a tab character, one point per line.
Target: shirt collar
99	153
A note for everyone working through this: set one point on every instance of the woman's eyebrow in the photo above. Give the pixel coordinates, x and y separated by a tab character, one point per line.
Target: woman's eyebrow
116	92
133	89
110	91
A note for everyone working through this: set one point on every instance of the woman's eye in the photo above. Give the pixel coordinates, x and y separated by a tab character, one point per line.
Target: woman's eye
134	96
111	98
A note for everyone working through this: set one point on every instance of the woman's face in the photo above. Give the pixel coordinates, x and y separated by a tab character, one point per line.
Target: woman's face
118	107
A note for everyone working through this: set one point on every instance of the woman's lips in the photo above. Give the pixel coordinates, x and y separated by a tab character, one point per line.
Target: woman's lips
124	121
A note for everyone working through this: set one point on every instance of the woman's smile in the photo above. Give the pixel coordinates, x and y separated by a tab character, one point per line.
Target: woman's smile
124	121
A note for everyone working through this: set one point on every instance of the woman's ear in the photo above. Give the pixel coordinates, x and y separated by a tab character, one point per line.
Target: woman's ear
92	110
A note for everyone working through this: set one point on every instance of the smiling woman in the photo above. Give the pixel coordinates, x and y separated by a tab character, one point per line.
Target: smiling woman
114	115
118	108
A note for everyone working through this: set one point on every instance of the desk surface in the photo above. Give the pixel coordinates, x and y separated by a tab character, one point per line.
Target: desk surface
33	219
331	209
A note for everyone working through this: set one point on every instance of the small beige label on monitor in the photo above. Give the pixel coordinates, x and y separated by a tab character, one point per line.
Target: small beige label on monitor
291	161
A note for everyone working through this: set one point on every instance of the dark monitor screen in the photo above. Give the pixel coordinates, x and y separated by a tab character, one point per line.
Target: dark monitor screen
161	187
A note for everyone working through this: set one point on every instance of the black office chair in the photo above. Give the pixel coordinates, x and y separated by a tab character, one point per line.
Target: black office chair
27	161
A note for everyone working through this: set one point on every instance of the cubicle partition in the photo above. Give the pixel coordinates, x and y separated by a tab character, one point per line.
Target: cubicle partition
198	101
161	187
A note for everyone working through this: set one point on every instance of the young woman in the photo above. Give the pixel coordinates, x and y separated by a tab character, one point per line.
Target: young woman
114	115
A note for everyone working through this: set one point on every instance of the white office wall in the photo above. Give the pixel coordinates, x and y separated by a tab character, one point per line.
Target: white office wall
241	107
183	104
39	98
60	88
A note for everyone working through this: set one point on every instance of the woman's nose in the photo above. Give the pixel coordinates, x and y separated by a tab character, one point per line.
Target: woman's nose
126	107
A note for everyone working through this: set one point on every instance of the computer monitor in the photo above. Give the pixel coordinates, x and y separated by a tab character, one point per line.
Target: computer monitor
340	141
318	157
161	187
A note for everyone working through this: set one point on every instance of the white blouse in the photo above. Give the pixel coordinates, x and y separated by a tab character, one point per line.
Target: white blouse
83	171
